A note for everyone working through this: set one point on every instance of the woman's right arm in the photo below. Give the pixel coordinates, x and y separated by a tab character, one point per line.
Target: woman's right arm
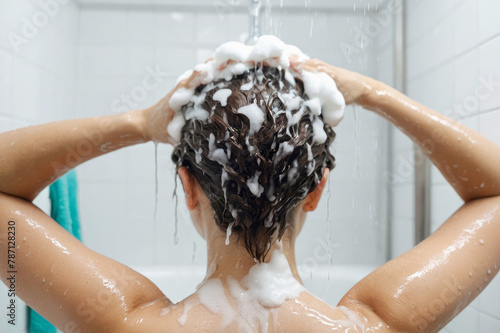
426	287
466	159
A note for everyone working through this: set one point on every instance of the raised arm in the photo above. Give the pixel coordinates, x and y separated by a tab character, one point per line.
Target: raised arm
38	155
75	288
426	287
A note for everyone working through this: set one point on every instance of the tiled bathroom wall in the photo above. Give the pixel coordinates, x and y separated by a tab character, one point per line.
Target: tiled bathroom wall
452	50
38	44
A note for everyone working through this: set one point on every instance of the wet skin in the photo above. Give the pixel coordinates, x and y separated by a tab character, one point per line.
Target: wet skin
82	291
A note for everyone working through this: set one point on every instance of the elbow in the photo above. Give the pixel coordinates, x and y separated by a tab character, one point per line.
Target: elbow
397	313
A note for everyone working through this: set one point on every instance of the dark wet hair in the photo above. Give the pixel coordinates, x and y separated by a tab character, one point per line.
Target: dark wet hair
285	160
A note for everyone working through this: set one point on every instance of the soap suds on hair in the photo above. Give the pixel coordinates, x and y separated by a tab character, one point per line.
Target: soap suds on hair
254	114
222	95
234	58
254	186
246	86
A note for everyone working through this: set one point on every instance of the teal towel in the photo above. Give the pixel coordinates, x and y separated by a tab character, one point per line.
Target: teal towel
63	197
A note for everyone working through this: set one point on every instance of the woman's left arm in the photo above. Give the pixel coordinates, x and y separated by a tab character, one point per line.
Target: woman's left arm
75	288
33	157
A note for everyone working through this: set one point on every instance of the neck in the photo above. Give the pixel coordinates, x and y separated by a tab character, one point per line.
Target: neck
234	260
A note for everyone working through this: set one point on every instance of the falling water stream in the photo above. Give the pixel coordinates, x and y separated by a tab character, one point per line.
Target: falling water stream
155	224
156	181
254	11
356	144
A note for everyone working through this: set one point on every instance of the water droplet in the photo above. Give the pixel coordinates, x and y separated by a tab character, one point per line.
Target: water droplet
60	307
489	271
482	185
481	241
43	280
24	238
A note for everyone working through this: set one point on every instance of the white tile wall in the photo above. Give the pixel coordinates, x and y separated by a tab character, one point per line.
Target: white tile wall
488	324
442	209
452	47
466	73
465	28
488	24
489	71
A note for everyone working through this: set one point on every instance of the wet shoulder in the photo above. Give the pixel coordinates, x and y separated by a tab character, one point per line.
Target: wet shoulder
309	313
306	313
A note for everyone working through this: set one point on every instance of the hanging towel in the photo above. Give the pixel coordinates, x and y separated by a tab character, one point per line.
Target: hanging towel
64	210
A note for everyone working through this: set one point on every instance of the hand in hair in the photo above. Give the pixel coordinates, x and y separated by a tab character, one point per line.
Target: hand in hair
158	116
353	86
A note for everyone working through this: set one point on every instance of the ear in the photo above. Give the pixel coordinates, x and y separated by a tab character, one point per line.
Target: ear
189	184
312	199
